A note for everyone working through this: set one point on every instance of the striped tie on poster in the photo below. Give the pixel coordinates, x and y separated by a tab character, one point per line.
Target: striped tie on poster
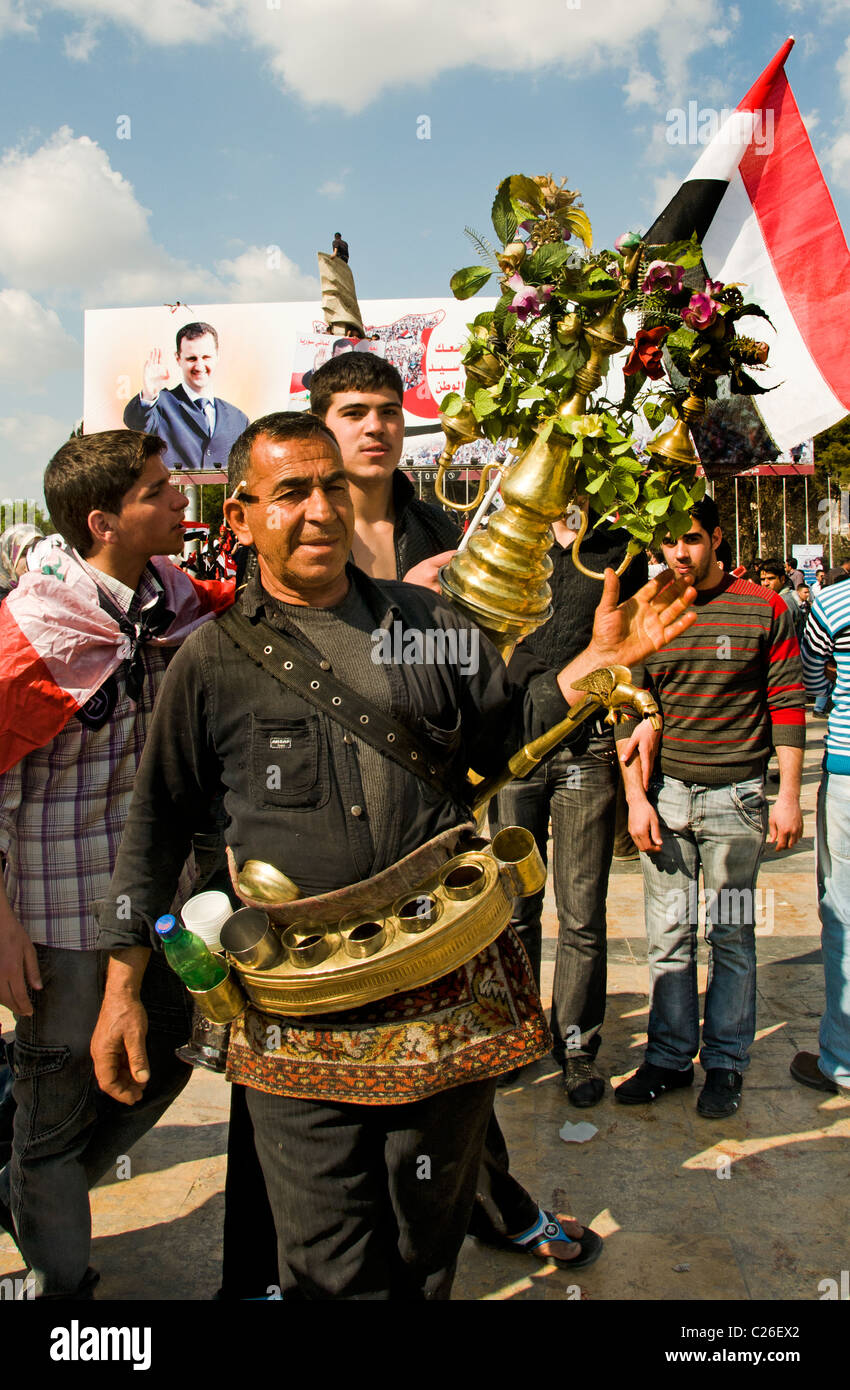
758	202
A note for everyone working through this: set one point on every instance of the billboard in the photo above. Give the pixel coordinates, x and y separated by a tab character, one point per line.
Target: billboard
264	358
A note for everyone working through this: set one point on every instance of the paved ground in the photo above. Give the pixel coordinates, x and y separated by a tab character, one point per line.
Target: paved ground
653	1181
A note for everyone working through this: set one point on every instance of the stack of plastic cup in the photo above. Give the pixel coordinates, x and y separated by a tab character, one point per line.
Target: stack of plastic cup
205	915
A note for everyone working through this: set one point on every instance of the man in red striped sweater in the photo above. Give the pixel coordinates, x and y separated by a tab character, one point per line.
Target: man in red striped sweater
730	689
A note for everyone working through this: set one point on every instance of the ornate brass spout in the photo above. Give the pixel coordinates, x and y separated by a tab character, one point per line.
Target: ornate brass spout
459	429
609	686
606	336
676	446
580	535
500	580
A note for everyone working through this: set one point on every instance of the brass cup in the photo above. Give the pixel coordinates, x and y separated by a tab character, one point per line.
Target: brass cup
463	881
519	861
224	1002
248	937
265	883
417	913
361	939
305	946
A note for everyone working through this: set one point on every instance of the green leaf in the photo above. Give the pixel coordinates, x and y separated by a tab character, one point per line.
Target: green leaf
502	214
484	320
654	414
452	404
754	311
594	296
577	449
579	224
534	393
467	282
658	506
525	191
544	262
500	315
683	338
483	404
594	484
683	253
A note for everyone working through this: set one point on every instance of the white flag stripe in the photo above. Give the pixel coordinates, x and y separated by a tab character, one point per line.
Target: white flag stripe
720	159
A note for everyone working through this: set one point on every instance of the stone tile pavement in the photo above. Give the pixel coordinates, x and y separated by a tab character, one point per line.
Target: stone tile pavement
755	1207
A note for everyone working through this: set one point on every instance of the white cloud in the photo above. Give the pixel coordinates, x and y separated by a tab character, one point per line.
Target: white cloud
262	274
641	89
333	54
810	119
663	189
13	18
32	340
27	444
158	21
838	159
331	188
105	252
80	46
843	70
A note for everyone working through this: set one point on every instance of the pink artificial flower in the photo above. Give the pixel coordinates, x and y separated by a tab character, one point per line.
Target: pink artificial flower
714	286
701	312
527	301
663	275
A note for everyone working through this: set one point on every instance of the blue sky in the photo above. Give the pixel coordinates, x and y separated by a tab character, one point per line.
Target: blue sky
254	124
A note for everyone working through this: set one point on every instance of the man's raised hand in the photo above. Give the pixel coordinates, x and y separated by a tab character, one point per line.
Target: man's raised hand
625	635
154	375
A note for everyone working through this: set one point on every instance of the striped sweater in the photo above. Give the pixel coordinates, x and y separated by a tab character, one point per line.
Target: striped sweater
827	635
730	688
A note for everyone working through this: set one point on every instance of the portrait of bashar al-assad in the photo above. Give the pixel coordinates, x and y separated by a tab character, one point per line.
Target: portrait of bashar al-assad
198	427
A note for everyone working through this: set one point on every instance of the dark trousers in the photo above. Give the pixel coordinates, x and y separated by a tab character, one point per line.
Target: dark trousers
67	1134
502	1207
578	794
371	1201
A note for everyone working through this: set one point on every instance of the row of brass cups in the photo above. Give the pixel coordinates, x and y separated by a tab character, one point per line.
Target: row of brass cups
438	926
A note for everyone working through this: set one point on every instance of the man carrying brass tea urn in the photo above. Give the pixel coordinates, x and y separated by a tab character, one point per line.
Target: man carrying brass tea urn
369	1116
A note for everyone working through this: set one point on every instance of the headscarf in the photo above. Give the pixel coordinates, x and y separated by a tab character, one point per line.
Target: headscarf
13	544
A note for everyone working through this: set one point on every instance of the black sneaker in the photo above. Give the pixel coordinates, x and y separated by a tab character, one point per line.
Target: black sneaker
721	1094
583	1082
649	1082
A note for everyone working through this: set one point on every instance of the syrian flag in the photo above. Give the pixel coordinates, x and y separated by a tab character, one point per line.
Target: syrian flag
758	203
59	646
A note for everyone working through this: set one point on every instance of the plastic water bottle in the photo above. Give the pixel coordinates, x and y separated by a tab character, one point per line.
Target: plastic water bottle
188	956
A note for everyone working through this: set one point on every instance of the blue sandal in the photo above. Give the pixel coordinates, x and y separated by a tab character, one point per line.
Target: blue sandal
546	1230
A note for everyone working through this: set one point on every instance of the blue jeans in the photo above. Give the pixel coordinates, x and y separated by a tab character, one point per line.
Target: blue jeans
578	793
67	1134
720	830
833	875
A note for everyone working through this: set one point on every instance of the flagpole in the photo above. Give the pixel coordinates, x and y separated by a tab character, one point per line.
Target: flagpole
829	515
737	528
806	496
784	522
758	512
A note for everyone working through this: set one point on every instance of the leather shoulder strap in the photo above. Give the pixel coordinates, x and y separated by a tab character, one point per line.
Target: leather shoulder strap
279	657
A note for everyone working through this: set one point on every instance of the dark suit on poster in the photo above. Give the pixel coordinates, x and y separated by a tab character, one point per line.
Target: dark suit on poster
183	425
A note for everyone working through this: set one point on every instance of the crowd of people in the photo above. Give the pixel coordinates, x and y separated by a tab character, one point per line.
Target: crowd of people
154	727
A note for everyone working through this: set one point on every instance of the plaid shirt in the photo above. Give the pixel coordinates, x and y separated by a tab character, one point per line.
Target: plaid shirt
63	807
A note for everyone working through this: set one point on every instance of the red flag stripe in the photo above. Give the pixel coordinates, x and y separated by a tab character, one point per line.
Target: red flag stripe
802	234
